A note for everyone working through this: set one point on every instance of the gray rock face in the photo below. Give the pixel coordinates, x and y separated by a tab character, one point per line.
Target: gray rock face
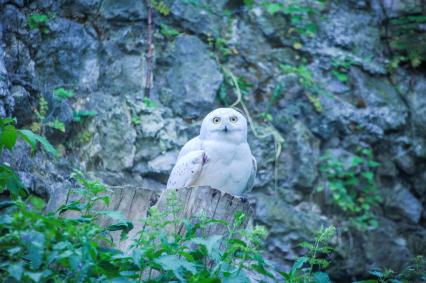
126	10
300	158
114	140
417	103
67	55
96	48
23	105
397	8
199	16
400	202
193	80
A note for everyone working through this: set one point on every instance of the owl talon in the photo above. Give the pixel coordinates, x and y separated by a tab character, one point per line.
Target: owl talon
204	159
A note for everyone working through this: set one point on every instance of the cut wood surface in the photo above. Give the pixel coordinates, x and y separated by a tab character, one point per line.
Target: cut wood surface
134	203
213	203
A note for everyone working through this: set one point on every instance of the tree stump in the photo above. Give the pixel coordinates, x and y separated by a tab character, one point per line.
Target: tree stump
134	204
213	203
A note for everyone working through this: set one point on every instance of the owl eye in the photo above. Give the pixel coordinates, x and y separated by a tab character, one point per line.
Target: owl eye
216	120
234	119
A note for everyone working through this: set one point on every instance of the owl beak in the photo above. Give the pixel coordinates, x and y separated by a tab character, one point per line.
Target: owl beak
225	129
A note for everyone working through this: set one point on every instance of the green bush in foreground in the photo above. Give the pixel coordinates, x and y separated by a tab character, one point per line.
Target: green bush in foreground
40	247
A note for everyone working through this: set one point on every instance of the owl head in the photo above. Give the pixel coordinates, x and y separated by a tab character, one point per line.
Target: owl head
224	124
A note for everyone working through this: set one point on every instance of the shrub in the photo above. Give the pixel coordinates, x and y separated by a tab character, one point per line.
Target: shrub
352	186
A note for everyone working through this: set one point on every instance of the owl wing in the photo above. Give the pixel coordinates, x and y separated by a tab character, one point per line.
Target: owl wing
187	170
192	145
250	181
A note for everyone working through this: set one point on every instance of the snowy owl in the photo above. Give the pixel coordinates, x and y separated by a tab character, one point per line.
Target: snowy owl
219	157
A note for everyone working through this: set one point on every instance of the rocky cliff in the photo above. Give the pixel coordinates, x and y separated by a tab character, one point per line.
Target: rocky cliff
340	86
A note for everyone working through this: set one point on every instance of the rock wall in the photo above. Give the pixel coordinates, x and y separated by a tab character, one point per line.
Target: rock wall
356	90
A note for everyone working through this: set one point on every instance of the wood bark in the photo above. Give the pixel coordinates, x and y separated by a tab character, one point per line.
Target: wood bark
134	204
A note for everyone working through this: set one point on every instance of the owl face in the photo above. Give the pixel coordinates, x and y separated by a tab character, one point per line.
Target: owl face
226	124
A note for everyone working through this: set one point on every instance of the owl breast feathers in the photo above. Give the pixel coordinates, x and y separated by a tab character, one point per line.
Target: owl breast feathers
219	157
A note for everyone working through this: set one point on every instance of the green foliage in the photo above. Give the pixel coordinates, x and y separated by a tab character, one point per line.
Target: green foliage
46	248
300	15
266	117
341	68
38	247
8	137
353	187
43	107
149	102
407	40
227	87
58	125
221	47
192	256
168	31
311	88
303	269
136	120
84	137
80	116
160	7
414	272
61	93
38	21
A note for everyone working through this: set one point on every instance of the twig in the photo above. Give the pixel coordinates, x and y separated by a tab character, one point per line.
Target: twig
148	78
268	131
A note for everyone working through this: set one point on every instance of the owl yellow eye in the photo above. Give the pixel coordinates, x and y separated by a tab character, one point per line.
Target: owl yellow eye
216	120
234	119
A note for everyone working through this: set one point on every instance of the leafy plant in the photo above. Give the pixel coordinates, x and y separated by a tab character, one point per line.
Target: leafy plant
58	125
192	256
136	120
38	21
168	31
79	116
61	93
407	41
303	269
415	272
341	68
352	186
43	107
311	88
160	7
149	102
48	248
265	116
300	15
8	137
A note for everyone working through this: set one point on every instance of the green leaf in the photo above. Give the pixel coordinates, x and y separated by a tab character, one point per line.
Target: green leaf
32	139
123	226
212	244
237	277
298	264
61	93
10	181
8	136
273	8
16	270
321	277
74	205
57	125
34	242
80	115
176	265
35	276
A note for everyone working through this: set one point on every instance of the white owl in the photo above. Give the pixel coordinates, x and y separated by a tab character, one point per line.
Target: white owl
219	157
